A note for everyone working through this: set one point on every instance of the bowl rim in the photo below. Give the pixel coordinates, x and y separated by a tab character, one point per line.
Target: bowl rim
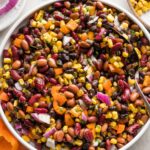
24	17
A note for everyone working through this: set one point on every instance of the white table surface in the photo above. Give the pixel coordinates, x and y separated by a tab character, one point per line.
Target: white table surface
144	141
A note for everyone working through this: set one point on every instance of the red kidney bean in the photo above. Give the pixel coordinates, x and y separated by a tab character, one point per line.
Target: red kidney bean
126	95
88	135
25	45
58	4
144	41
133	128
34	98
43	69
92	119
144	60
77	129
22	99
59	16
15	75
39	83
6	54
15	53
108	145
117	47
25	30
123	85
90	52
86	99
67	4
53	81
17	92
75	36
99	5
99	64
40	110
29	39
55	56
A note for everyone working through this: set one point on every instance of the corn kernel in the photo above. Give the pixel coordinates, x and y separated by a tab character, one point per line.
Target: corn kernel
6	67
7	60
108	115
80	93
30	81
15	103
131	81
43	139
102	105
73	41
115	115
59	45
81	80
143	111
116	64
113	141
88	86
68	76
140	122
99	24
138	53
36	104
102	79
110	18
21	81
26	138
9	118
131	121
124	135
113	124
98	128
132	108
55	49
52	27
33	23
100	87
124	26
7	75
78	142
65	129
110	43
125	54
131	116
94	101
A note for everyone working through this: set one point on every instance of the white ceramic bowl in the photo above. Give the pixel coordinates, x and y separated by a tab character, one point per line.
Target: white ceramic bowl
8	18
22	21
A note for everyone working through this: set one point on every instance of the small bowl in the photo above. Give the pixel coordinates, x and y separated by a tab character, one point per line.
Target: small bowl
20	22
145	18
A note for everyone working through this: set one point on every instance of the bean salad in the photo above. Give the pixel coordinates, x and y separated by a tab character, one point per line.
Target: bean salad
68	77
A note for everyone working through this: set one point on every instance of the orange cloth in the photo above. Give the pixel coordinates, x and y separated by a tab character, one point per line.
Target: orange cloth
7	140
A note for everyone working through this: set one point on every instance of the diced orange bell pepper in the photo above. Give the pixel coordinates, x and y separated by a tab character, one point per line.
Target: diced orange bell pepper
3	96
72	25
68	120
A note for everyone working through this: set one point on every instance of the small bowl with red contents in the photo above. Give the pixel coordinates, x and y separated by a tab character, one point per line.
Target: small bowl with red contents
68	77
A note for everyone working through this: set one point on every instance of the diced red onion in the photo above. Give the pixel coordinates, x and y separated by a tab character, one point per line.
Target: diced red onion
49	133
84	117
18	126
103	97
18	86
8	6
66	40
90	77
93	20
43	118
